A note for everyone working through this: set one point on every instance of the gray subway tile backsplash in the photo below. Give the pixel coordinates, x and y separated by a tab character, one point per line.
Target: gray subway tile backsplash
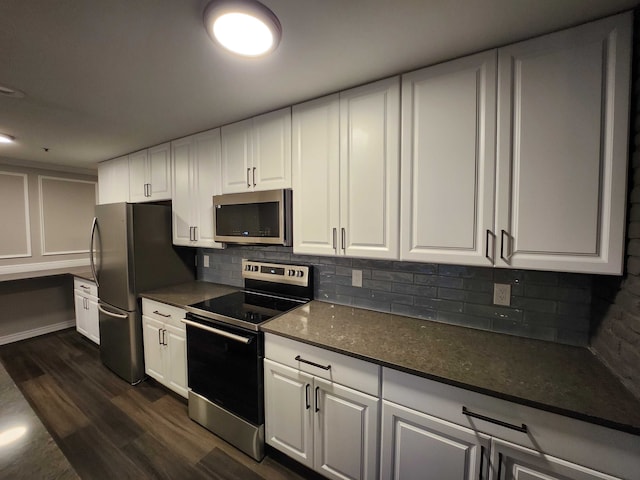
544	305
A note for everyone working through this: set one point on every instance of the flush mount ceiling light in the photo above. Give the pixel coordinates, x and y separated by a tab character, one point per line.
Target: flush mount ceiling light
245	27
4	138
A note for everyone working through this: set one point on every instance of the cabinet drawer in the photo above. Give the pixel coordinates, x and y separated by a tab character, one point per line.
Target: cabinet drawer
85	286
355	373
163	312
583	443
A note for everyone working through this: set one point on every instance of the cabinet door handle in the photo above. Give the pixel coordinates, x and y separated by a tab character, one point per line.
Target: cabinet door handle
164	340
254	176
248	182
309	362
344	238
502	242
335	238
316	398
486	247
159	336
195	234
307	403
165	315
523	428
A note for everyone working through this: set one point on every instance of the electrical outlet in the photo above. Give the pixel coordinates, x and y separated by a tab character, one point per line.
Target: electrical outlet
356	278
205	261
502	294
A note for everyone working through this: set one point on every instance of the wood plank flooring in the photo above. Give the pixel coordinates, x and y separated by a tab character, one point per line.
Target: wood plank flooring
108	429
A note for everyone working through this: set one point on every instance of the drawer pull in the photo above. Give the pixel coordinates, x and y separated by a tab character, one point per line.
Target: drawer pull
161	314
84	287
308	362
469	413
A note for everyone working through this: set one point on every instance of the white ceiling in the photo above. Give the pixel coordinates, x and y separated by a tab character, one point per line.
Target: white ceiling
107	77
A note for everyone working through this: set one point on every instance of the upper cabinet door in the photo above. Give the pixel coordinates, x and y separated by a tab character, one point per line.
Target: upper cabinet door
448	161
206	184
271	167
562	149
138	179
159	172
236	157
316	176
182	178
369	170
113	181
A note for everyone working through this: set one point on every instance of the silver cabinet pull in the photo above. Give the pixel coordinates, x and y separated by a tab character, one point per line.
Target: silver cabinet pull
344	238
248	182
316	399
159	338
232	336
335	238
309	362
523	428
190	234
502	242
112	314
91	261
84	287
195	234
164	332
254	176
486	248
162	314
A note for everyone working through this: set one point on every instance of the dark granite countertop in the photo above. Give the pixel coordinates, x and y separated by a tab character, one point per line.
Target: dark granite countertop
83	272
188	293
559	378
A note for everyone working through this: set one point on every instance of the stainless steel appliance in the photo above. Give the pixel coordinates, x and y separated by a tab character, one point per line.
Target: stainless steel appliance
133	253
225	351
253	217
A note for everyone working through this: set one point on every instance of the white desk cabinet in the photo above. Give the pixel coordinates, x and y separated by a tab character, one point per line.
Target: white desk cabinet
85	295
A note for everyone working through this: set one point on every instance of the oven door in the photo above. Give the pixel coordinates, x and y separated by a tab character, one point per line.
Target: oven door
224	365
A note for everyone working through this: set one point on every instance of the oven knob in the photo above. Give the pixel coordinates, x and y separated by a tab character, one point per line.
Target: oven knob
299	273
247	268
292	272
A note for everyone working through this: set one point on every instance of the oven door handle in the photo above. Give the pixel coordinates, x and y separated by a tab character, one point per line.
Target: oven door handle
232	336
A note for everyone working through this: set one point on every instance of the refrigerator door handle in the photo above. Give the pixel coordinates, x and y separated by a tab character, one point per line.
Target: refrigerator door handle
91	261
112	314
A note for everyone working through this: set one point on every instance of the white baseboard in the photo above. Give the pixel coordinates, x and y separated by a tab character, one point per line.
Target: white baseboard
16	337
34	267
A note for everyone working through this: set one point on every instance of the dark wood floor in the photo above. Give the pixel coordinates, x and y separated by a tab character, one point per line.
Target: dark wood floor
111	430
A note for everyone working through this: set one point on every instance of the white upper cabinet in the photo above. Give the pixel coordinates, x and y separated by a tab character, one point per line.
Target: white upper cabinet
346	172
316	175
150	174
448	161
256	153
370	170
113	181
196	178
562	149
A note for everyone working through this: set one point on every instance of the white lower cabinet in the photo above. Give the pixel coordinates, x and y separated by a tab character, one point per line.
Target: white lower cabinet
431	430
422	447
85	295
325	425
165	345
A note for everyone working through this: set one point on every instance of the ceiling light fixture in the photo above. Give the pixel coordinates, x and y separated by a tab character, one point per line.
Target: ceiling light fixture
4	138
245	27
11	92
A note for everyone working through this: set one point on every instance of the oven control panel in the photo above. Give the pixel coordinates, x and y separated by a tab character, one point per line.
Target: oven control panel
276	272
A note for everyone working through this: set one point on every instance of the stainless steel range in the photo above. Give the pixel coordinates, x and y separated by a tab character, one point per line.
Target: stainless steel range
225	350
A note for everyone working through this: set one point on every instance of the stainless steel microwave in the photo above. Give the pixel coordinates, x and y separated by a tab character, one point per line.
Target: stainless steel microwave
253	217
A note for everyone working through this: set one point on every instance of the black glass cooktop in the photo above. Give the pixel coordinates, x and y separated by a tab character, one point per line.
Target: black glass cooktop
247	306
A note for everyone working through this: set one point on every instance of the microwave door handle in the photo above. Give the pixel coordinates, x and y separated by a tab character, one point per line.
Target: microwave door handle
232	336
91	253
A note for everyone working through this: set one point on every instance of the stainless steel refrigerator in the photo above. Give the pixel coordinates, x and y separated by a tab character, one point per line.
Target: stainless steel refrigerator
131	252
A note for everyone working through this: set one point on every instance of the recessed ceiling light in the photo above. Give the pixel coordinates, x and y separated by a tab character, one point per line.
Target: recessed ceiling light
4	138
10	92
245	27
